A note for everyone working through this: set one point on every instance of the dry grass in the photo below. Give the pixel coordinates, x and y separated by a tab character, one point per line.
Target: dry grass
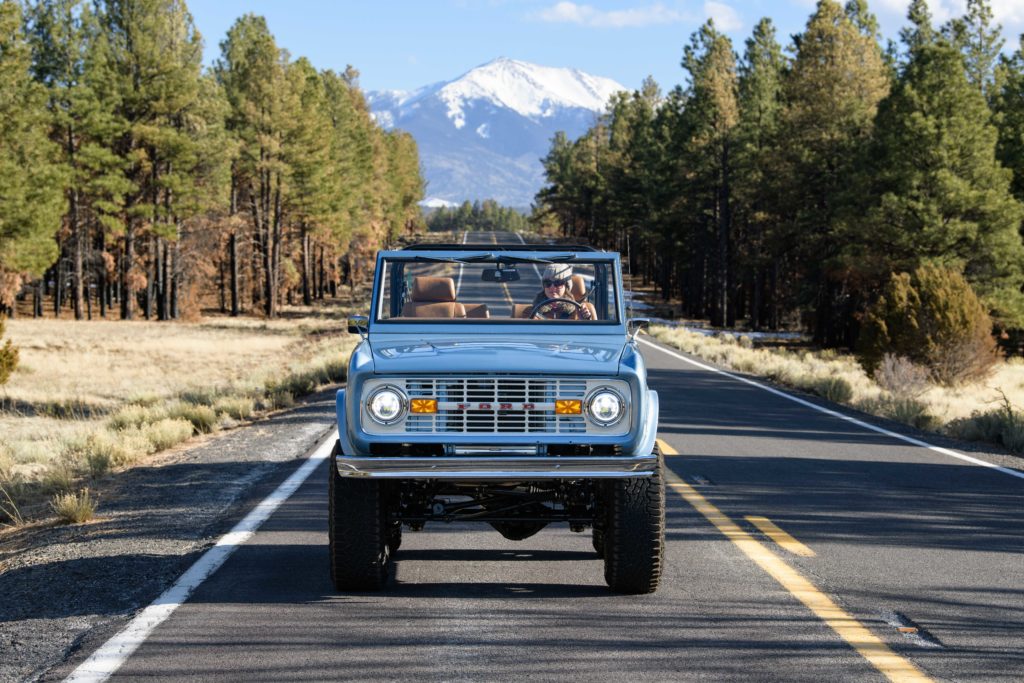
987	410
91	397
73	508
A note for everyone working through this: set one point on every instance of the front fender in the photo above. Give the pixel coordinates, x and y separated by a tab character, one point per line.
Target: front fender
650	428
343	436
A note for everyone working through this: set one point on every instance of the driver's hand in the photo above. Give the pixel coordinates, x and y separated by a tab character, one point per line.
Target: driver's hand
585	313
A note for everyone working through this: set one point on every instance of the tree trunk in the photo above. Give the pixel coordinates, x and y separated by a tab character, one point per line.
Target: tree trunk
37	299
127	289
58	285
307	298
79	246
233	249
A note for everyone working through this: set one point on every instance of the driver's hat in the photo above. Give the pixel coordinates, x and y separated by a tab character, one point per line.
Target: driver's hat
557	271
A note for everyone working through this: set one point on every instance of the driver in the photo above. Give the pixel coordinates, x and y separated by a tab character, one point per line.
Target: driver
555	280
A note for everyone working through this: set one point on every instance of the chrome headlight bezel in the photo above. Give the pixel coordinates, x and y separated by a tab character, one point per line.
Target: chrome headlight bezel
593	395
403	404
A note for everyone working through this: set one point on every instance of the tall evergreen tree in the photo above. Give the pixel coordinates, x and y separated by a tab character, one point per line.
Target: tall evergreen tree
760	103
944	195
712	111
30	203
1009	110
832	94
980	41
147	69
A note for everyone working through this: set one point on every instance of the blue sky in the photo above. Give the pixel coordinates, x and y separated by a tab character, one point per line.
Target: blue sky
404	45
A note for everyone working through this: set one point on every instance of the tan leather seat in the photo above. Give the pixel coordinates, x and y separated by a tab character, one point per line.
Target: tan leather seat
433	297
521	310
477	311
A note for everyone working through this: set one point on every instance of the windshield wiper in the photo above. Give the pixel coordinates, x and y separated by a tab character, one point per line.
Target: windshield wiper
527	259
448	259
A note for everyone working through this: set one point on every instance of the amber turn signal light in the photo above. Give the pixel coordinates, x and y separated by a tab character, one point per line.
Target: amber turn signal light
424	405
569	407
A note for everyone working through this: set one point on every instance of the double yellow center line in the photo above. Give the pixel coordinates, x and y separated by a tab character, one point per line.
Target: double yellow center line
893	666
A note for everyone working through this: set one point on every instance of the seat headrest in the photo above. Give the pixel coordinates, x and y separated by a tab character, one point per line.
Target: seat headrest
577	287
433	289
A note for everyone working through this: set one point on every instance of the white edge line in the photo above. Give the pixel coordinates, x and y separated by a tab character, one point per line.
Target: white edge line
458	285
102	663
833	413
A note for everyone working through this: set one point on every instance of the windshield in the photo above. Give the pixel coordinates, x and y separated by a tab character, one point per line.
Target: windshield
502	288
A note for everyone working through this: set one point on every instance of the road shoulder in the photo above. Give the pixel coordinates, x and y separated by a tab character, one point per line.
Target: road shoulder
67	588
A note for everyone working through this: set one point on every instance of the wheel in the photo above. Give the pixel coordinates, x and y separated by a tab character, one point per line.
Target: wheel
598	540
358	532
634	540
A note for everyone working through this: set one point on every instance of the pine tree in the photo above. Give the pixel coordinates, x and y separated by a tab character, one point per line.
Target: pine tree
712	113
760	102
1009	118
147	68
944	196
30	203
832	94
979	41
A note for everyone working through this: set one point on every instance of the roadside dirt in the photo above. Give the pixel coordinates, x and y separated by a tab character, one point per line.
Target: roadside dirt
66	587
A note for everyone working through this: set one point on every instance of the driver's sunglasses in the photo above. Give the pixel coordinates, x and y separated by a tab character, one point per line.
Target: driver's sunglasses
555	283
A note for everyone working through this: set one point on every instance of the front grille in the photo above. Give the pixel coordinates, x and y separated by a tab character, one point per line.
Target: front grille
496	391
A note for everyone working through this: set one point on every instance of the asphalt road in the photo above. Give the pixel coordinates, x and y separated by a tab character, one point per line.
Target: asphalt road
901	538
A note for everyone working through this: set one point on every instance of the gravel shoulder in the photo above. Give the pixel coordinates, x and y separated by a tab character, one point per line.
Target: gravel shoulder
64	588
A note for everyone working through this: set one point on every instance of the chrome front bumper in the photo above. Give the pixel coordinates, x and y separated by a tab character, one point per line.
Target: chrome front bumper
497	467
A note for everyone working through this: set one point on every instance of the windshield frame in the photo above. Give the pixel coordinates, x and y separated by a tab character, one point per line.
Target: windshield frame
500	325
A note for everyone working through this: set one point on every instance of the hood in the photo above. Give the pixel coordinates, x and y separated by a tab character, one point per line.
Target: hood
592	356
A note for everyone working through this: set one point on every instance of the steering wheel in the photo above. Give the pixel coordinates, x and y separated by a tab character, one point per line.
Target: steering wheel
536	309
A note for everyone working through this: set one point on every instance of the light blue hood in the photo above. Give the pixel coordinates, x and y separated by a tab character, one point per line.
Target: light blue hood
593	355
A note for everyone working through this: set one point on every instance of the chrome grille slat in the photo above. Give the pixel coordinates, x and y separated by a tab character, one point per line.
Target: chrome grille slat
496	390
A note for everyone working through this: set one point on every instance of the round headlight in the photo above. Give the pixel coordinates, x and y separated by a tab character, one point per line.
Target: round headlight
386	405
605	407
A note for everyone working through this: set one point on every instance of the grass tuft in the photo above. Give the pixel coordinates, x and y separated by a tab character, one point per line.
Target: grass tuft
168	432
73	508
235	407
203	418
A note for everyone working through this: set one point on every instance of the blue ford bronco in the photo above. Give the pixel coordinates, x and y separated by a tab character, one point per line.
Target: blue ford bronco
498	384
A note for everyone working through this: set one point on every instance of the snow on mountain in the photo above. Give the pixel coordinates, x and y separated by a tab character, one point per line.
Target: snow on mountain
482	135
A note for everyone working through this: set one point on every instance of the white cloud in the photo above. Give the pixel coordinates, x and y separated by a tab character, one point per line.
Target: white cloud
726	18
1009	13
587	15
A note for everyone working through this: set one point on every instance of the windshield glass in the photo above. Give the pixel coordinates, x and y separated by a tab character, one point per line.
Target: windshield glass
504	288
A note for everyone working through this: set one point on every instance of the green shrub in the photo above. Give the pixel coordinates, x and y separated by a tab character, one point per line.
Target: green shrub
73	508
8	356
933	318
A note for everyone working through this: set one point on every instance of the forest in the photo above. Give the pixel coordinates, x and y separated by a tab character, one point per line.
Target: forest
796	187
487	215
136	181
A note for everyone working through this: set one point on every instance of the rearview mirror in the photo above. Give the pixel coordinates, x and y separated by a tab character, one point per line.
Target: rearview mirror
358	324
500	275
634	325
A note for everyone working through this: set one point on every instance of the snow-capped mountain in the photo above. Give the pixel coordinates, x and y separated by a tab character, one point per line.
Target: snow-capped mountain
482	135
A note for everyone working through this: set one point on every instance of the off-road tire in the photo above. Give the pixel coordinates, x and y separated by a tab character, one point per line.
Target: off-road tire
598	540
358	532
634	540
